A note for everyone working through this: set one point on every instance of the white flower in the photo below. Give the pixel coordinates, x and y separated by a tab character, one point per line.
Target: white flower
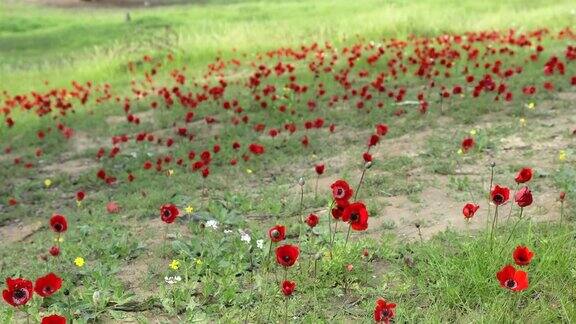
260	244
227	231
212	223
172	280
244	237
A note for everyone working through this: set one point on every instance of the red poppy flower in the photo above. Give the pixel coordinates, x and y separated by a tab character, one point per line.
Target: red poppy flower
341	191
382	129
356	215
54	319
469	210
286	255
288	287
312	220
339	209
523	175
562	196
168	213
515	280
58	223
256	149
319	169
55	251
367	157
523	197
18	291
374	139
522	255
500	195
112	207
384	311
277	233
467	144
80	195
47	285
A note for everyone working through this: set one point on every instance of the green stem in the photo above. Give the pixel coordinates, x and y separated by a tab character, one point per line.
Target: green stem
347	236
493	227
360	183
514	227
489	192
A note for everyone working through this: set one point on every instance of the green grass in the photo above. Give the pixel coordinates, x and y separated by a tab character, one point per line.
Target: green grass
448	278
93	44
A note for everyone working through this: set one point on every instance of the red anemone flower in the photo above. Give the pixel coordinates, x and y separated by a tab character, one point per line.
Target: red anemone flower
168	213
500	195
47	285
469	210
53	319
256	149
467	144
288	287
18	292
312	220
341	191
510	278
339	209
374	139
523	197
55	251
319	169
524	175
522	255
58	223
277	233
356	215
286	255
80	195
384	311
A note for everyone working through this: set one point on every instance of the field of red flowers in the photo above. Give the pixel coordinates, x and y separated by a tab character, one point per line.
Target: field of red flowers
413	179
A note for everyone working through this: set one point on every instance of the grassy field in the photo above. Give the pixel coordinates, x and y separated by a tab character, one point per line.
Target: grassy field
418	251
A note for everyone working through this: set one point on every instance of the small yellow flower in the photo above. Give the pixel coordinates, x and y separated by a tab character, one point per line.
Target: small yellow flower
249	171
79	262
78	203
522	122
462	96
562	155
531	105
198	261
170	172
189	209
473	132
47	183
174	265
59	239
460	152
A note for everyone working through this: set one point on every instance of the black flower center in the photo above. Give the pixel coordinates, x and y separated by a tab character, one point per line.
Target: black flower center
58	227
47	289
511	284
275	234
167	213
339	192
498	198
354	217
286	258
20	294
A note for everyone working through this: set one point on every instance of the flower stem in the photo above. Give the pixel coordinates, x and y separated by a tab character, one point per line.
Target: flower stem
347	236
489	191
493	227
360	183
512	205
514	227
